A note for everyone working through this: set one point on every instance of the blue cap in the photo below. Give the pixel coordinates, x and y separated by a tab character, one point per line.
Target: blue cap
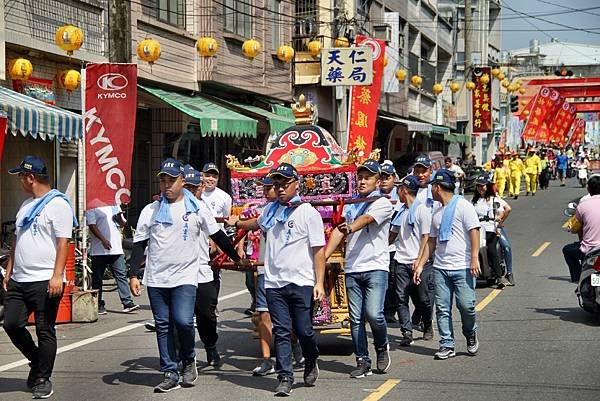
423	160
411	182
372	165
443	176
265	181
192	176
482	180
388	169
285	170
210	167
171	166
30	164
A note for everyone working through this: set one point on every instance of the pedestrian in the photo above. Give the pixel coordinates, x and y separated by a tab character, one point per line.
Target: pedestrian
366	230
35	272
454	239
562	161
545	171
410	229
533	168
174	229
294	273
106	250
501	174
458	173
516	170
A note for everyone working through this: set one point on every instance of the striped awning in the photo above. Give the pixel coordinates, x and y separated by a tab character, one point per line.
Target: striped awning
29	116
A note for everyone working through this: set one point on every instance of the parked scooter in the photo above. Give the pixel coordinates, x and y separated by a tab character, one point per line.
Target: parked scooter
487	272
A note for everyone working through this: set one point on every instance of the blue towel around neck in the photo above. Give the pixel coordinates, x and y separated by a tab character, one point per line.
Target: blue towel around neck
448	218
397	220
355	210
192	204
429	197
270	214
41	204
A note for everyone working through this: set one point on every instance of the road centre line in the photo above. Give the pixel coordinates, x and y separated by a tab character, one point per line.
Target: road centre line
102	336
485	301
541	249
382	390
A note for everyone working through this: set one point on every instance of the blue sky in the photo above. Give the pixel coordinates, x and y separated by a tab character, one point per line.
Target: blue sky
512	20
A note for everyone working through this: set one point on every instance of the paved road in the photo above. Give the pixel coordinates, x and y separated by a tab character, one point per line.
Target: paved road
536	343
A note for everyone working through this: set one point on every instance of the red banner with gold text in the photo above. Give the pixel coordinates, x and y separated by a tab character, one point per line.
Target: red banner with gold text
482	101
364	102
578	132
3	122
561	125
541	105
109	124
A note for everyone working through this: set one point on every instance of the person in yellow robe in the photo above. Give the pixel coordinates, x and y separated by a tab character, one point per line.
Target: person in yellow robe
533	168
516	168
501	174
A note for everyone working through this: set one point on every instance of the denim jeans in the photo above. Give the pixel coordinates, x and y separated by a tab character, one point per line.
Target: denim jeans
173	310
119	271
448	285
424	293
574	258
366	296
291	309
506	249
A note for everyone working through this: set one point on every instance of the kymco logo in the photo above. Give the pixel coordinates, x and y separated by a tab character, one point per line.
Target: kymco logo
112	82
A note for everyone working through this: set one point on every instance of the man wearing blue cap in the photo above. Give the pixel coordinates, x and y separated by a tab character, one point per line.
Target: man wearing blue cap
454	237
410	226
35	271
218	200
292	283
175	230
366	230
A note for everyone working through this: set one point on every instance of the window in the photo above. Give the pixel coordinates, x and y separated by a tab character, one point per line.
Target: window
170	11
277	37
238	17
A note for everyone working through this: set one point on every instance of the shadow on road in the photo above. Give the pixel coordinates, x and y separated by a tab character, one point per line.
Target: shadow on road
9	385
559	278
141	371
574	315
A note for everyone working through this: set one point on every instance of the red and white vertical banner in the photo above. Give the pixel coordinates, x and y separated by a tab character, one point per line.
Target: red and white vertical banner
364	102
482	101
3	123
561	124
541	105
555	102
109	124
578	133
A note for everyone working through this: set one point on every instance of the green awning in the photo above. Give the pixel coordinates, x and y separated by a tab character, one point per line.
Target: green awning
440	129
283	111
214	120
455	138
277	122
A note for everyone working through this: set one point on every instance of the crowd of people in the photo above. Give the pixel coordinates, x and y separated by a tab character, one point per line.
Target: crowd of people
412	238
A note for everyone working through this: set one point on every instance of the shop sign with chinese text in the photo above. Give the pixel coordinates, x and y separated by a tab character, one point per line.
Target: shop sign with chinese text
482	101
347	66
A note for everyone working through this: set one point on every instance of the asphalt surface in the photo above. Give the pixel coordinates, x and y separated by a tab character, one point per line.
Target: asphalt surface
536	343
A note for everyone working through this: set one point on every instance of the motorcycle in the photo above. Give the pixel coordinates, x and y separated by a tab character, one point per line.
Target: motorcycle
3	262
487	271
582	176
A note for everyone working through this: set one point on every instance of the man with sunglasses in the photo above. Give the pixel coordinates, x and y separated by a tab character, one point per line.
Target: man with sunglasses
294	273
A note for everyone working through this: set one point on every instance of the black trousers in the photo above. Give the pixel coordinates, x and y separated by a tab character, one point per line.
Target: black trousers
207	296
491	240
22	299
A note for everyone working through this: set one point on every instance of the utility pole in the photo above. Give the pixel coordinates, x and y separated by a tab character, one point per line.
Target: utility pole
119	31
468	52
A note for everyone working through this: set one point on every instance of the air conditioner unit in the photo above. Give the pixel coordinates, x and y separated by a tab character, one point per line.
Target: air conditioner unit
383	32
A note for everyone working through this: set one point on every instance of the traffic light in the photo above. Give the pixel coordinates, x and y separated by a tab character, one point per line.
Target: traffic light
514	103
563	72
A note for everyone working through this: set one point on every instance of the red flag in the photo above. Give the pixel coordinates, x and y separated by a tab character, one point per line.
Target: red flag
578	132
539	109
109	123
561	124
556	102
3	121
364	101
482	101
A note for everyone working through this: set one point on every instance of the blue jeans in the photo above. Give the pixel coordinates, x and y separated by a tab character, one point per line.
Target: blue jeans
291	309
423	299
119	271
173	310
450	284
366	296
506	249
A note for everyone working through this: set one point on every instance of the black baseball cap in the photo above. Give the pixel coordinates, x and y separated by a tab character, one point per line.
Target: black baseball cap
285	170
371	165
30	164
443	176
411	182
171	166
192	176
388	169
209	167
422	160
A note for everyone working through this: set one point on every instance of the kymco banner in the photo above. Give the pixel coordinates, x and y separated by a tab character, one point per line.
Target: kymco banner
3	122
109	123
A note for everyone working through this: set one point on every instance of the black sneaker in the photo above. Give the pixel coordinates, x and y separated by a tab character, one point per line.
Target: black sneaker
101	310
168	384
383	359
511	279
32	376
284	388
130	308
266	368
189	373
428	331
213	358
444	353
363	368
472	344
42	388
297	353
407	339
500	283
311	372
150	325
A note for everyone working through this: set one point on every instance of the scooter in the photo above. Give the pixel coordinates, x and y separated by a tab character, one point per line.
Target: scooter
3	262
582	175
487	272
588	289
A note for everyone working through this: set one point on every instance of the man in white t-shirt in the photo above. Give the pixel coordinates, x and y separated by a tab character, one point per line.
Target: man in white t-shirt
459	174
174	229
35	271
366	229
107	251
410	227
454	237
294	273
218	200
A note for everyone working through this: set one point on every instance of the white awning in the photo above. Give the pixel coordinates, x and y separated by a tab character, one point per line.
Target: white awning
415	126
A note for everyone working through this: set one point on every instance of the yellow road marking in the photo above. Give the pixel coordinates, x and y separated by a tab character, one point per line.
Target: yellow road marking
382	390
485	301
541	249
